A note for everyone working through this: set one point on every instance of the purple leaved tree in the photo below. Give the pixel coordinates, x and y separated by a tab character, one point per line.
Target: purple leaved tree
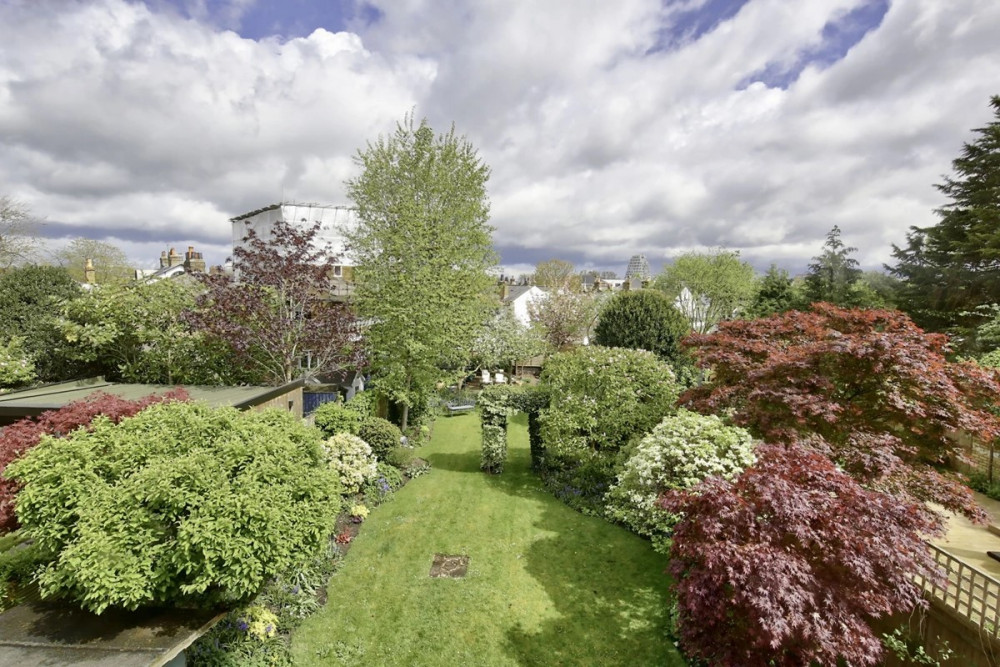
277	311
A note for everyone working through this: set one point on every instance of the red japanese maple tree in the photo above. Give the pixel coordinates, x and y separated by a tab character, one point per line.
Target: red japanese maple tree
21	436
859	409
784	564
868	388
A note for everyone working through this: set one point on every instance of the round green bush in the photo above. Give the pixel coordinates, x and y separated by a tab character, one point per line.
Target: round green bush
680	452
990	359
335	417
643	320
383	436
181	503
363	402
600	398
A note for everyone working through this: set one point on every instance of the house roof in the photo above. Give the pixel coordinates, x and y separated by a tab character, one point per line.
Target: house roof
516	292
33	402
272	207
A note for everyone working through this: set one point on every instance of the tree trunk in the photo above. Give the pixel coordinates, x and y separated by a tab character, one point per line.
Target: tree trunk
406	415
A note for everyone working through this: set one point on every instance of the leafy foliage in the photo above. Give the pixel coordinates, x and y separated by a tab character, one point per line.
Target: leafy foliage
180	503
111	265
423	246
504	340
719	287
279	311
18	240
563	317
990	359
775	294
867	387
387	480
494	448
139	332
381	435
643	320
352	459
30	298
555	275
679	453
364	402
785	564
335	417
495	407
951	268
21	436
832	273
601	397
16	366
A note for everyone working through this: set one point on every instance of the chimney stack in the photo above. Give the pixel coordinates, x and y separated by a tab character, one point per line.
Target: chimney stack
173	259
193	261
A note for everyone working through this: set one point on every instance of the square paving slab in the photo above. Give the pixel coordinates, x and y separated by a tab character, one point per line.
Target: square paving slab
450	567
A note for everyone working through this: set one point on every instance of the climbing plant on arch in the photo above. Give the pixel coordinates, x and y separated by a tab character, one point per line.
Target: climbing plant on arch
497	403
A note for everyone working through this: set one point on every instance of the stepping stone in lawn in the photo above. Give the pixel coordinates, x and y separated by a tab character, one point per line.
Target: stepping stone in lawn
450	567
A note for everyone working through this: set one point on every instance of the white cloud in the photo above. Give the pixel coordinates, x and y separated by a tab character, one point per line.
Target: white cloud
608	135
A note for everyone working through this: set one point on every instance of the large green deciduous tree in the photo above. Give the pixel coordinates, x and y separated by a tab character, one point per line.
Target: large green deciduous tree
424	248
30	299
954	266
557	274
111	266
719	286
139	333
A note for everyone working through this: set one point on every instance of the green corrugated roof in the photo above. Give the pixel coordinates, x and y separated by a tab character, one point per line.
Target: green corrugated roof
54	396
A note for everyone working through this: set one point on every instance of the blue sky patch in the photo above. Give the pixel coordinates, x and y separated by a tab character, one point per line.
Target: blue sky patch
838	37
286	19
689	26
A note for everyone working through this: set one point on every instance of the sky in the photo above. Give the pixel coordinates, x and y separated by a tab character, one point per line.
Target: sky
611	128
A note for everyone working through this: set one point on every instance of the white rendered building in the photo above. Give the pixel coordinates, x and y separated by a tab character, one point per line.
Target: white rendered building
332	220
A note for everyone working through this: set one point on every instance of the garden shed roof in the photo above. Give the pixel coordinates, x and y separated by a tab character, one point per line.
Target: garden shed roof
35	401
41	633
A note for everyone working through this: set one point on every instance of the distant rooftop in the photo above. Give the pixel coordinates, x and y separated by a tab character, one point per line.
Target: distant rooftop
272	207
516	291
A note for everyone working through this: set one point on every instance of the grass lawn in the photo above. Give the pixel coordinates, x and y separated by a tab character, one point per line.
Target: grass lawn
545	585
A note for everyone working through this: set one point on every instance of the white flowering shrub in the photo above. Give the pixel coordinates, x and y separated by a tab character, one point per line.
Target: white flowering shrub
681	451
353	460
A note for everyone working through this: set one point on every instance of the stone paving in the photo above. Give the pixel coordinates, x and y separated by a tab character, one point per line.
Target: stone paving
969	542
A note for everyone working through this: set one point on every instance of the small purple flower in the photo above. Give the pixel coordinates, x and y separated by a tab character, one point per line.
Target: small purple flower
295	590
269	629
242	625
